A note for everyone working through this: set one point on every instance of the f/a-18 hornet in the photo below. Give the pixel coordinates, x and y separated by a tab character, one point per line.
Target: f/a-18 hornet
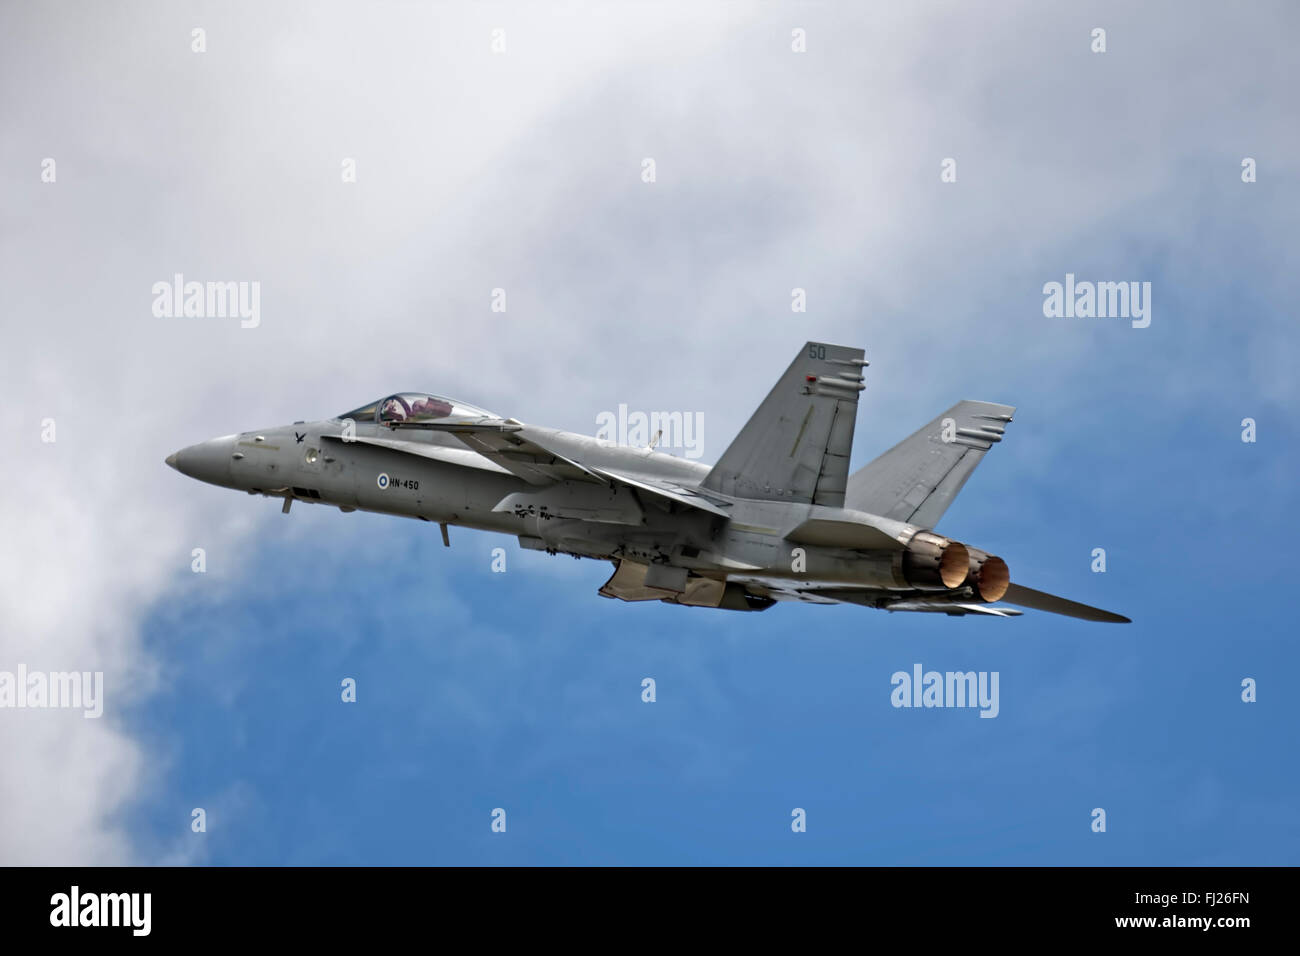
778	518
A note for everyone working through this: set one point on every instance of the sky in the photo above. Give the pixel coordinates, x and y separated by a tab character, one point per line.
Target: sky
522	169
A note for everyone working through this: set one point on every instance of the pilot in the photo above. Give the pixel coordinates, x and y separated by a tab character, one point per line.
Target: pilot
430	407
394	410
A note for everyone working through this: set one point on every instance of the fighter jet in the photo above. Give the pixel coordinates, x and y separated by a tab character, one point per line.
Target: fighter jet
778	518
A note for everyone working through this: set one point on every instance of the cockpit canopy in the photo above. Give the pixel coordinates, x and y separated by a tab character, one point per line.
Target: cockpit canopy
415	407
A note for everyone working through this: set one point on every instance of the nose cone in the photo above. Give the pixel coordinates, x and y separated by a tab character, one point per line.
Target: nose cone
207	461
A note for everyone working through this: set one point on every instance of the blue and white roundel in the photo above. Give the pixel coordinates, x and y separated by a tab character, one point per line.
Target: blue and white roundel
382	480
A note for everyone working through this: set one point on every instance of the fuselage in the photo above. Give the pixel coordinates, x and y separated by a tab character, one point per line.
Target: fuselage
441	481
432	476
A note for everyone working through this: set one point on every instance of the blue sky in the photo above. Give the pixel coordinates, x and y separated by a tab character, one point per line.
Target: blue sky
776	170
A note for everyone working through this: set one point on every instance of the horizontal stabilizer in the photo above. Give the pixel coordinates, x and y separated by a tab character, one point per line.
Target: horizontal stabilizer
830	533
952	608
1042	601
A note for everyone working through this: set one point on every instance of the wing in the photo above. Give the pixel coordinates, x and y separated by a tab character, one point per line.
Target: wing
499	445
452	456
670	491
500	442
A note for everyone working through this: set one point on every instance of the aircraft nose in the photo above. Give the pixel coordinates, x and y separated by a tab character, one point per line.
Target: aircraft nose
207	461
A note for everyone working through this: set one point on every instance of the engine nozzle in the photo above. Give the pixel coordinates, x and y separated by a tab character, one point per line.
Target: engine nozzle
934	562
989	576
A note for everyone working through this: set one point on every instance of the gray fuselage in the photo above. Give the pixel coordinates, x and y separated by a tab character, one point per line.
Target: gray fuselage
433	477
